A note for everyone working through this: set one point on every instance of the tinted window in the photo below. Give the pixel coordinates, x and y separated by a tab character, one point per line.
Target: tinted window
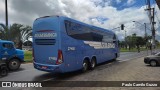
8	45
45	41
82	32
158	54
107	38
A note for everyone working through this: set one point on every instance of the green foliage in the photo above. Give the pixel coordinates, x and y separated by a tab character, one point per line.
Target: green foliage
133	41
133	49
27	43
17	33
28	56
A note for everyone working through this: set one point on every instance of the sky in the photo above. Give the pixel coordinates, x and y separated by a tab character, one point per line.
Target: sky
107	14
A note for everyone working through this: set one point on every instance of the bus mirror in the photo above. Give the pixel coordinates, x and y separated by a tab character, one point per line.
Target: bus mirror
114	41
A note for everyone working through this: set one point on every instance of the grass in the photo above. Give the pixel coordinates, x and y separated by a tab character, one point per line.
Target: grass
28	56
132	50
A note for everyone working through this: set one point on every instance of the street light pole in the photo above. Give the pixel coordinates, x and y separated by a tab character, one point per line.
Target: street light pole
6	7
145	36
145	26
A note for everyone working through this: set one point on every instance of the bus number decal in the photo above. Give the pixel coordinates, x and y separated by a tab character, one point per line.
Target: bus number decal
52	58
71	48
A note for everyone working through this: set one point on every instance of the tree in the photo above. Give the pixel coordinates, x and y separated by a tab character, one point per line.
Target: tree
134	41
17	33
27	43
131	40
4	32
139	42
122	44
148	42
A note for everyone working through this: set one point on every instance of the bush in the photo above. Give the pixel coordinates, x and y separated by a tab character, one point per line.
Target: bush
28	56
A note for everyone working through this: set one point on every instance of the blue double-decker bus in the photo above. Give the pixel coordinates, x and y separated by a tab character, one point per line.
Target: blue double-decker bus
61	44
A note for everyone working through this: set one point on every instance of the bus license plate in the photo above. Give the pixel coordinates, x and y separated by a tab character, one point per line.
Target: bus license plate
44	67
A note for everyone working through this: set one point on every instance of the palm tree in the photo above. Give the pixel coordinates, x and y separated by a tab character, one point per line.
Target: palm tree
16	32
4	32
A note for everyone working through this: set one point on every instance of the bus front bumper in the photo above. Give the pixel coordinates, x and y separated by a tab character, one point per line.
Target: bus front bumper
48	68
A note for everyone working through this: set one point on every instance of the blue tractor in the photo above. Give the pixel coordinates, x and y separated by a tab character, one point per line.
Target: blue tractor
10	55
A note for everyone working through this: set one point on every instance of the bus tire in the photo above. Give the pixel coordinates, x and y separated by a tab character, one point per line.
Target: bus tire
85	66
115	57
4	71
14	64
93	63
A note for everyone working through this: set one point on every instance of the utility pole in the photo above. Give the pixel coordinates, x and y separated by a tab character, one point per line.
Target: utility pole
122	28
125	38
145	35
125	33
151	12
153	28
6	7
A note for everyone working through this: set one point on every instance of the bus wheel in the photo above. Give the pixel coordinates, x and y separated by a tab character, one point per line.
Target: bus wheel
93	63
115	57
14	64
85	66
4	71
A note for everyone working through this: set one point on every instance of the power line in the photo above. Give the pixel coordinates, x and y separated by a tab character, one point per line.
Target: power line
154	2
157	18
158	21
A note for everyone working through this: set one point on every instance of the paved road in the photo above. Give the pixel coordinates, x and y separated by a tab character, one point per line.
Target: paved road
128	67
28	73
133	70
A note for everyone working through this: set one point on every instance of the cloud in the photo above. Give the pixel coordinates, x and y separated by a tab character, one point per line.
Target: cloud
118	1
88	11
27	10
102	3
2	10
130	2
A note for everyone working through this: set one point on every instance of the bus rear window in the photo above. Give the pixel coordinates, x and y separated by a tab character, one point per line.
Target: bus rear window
45	41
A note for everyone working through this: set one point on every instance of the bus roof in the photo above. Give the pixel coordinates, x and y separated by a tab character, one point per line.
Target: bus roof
88	25
73	20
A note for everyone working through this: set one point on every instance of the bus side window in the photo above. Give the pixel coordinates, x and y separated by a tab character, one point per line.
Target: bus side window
81	32
107	38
